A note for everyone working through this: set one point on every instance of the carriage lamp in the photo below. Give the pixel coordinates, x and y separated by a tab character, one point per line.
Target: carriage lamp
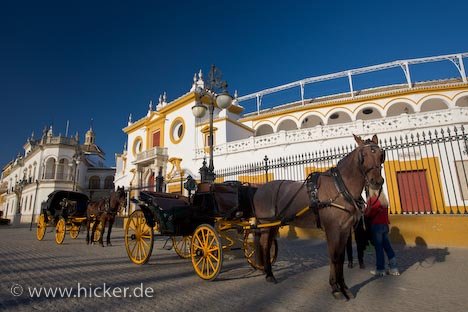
209	95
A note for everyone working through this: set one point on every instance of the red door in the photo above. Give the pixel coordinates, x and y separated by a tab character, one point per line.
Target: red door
414	192
156	138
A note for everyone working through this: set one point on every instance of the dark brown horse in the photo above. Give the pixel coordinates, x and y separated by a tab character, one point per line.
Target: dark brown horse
103	211
334	197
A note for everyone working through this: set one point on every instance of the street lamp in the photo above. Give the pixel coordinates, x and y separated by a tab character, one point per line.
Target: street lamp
76	161
209	94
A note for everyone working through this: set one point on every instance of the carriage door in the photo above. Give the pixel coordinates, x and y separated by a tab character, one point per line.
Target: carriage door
414	191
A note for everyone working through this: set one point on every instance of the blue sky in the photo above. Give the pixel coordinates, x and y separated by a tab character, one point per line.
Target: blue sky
101	60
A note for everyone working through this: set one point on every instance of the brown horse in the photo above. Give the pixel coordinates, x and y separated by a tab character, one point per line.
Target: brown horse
103	211
335	199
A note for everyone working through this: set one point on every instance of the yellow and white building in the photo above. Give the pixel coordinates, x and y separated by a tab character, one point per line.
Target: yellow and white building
171	138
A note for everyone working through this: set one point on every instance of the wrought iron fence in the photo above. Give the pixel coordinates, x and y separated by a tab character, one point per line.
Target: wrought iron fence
425	172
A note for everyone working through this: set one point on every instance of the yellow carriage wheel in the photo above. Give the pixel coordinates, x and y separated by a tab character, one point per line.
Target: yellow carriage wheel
60	229
249	250
41	227
139	238
207	252
181	246
75	230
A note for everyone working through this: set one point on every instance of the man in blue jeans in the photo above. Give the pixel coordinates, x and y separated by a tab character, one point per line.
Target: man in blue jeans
377	212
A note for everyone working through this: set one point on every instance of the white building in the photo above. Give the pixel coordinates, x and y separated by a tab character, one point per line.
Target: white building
53	163
421	126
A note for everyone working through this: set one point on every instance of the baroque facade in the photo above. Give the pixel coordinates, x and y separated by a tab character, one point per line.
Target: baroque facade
53	163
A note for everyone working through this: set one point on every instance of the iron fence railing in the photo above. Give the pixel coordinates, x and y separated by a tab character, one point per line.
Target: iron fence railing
426	172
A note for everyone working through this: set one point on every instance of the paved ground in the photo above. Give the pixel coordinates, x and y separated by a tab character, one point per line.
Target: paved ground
433	279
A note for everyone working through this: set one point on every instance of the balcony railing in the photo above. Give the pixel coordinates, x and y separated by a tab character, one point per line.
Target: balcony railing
61	140
151	154
388	124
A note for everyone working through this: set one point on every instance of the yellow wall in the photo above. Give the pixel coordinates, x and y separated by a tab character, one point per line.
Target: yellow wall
258	179
432	230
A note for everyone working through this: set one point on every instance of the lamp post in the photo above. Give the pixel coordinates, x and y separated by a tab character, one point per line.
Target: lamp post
76	162
209	95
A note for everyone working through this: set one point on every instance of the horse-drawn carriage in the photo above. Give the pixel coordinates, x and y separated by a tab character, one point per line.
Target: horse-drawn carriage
331	199
203	226
64	210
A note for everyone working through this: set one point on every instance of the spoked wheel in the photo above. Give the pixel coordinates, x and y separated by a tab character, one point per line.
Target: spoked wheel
60	230
75	230
41	227
181	245
207	252
139	238
249	250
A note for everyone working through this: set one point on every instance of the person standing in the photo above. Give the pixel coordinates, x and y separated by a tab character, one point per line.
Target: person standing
360	236
377	212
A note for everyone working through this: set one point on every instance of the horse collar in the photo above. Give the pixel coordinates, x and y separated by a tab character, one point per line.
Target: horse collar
340	186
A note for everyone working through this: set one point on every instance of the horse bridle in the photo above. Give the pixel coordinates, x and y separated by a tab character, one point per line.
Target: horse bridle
364	172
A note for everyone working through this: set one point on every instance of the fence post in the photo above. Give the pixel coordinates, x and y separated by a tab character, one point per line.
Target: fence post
266	167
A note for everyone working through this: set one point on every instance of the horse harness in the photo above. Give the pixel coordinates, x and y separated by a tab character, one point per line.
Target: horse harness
311	182
315	204
107	210
313	186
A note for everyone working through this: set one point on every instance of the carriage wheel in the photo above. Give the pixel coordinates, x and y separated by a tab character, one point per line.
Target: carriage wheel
181	245
249	250
207	252
60	229
75	230
41	227
139	238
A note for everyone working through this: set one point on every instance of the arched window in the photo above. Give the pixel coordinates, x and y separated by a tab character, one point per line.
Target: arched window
94	182
62	168
109	182
30	174
50	169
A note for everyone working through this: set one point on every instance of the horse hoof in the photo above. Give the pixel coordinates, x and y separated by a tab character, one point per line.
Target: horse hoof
348	294
338	295
271	279
109	244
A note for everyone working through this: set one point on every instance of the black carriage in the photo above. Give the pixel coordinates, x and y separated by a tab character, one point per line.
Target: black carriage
64	210
211	221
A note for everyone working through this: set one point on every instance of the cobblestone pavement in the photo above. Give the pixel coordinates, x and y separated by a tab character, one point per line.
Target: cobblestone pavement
433	279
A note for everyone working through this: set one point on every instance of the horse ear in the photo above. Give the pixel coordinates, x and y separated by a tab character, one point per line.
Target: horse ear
358	139
375	139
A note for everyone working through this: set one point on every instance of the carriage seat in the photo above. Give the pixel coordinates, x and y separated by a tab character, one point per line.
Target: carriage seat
164	200
233	199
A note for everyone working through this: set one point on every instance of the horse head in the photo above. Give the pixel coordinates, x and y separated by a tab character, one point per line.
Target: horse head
371	157
118	198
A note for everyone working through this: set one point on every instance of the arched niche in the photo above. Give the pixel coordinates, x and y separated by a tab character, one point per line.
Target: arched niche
433	105
287	125
264	130
400	108
311	121
368	113
338	117
462	102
